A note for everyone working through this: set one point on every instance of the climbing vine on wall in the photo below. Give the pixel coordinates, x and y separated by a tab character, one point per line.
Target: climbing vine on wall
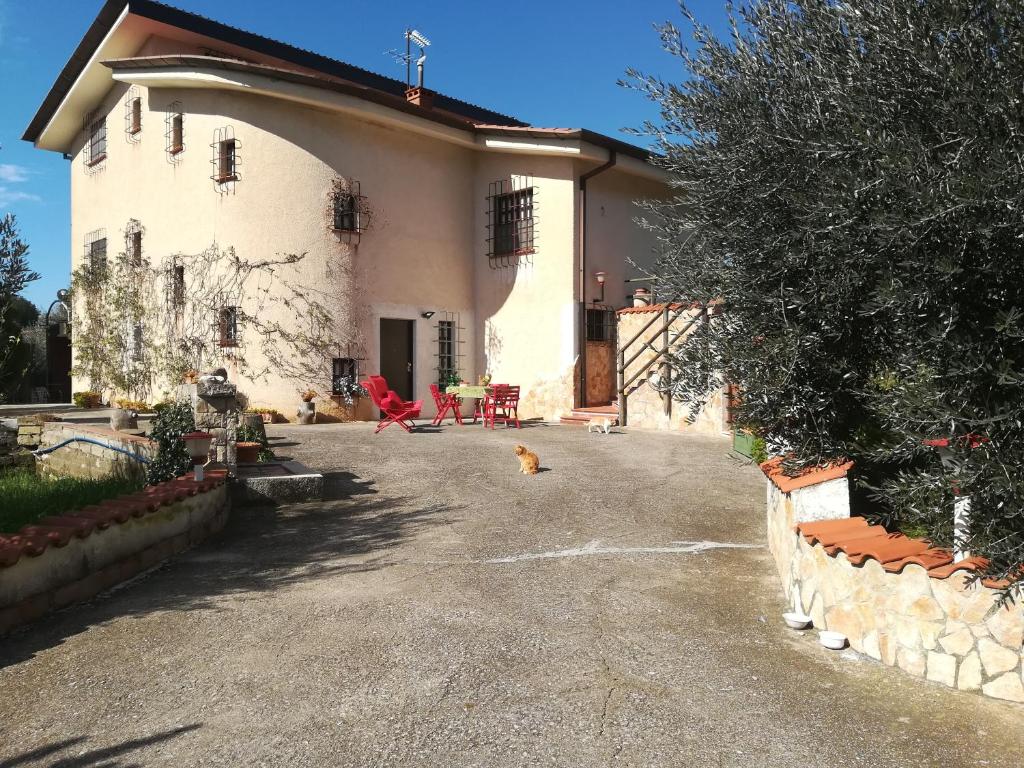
141	326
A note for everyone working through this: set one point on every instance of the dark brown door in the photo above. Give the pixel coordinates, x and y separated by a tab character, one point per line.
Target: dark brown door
396	355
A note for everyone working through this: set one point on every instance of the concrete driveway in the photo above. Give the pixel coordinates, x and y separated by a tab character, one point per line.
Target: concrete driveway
443	610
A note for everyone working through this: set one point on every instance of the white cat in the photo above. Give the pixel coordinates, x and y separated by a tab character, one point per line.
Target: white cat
599	424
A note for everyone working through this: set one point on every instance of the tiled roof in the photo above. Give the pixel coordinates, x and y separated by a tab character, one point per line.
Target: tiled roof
894	551
32	540
653	308
773	470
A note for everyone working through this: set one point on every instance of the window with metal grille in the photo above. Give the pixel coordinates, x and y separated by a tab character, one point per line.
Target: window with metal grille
135	124
600	324
512	223
226	169
446	364
341	367
229	326
346	212
97	145
178	286
136	350
96	252
175	134
133	243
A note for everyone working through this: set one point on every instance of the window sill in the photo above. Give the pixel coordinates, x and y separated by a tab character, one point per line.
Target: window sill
225	179
135	131
227	343
96	160
346	231
175	150
518	252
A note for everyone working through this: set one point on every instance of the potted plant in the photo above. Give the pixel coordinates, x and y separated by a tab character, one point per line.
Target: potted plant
346	396
307	408
247	452
251	445
269	415
191	376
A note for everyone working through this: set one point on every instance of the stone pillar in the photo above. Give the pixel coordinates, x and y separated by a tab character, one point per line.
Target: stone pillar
216	408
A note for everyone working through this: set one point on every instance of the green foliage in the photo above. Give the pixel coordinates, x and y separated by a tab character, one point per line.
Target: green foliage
87	399
15	275
349	388
248	434
28	497
115	347
759	451
172	459
849	179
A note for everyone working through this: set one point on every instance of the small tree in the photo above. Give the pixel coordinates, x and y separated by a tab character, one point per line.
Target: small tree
15	274
849	183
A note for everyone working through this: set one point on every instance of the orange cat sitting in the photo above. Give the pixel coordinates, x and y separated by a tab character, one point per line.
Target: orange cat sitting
528	460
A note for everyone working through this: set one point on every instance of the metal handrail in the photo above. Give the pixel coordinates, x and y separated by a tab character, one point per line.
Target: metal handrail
667	316
660	353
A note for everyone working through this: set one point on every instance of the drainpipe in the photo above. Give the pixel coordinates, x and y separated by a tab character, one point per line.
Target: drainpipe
582	332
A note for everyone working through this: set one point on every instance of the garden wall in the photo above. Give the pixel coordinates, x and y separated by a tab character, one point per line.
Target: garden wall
896	599
71	558
84	458
646	407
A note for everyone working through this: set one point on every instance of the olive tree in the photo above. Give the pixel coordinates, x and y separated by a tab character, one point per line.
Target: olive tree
849	183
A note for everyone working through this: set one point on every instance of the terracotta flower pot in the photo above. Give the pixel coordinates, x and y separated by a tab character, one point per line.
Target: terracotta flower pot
247	453
268	418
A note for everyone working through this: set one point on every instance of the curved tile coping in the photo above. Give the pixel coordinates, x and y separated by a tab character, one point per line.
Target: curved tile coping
71	557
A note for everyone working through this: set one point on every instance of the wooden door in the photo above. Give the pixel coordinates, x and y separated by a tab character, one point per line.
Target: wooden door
396	359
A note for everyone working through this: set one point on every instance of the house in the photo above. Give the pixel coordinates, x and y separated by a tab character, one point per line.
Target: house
261	194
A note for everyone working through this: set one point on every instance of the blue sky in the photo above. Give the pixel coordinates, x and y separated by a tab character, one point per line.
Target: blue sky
552	63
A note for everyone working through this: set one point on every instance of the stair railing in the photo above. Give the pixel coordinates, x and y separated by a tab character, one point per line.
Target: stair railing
670	314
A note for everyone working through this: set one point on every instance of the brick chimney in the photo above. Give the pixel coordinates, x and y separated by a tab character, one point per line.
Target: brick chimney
420	96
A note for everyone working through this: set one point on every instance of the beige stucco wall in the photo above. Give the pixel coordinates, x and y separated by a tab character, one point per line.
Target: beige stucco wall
424	249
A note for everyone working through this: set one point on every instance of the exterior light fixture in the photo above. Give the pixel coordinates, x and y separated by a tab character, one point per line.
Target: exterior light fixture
198	446
428	314
600	276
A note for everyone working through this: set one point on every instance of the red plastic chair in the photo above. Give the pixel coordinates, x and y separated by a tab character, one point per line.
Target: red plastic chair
503	406
445	403
480	412
393	409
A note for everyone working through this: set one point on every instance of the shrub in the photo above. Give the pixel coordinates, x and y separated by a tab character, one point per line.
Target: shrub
139	406
172	459
87	399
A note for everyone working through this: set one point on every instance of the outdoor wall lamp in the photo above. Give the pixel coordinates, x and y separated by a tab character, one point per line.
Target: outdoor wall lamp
600	276
428	314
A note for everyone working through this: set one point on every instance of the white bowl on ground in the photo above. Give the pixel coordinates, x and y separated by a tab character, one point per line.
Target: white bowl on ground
834	640
796	620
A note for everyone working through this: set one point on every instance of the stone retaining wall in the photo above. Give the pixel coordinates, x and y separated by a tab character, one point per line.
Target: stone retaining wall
936	628
72	558
83	459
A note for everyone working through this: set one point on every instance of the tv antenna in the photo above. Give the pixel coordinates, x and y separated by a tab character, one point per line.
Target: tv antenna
412	36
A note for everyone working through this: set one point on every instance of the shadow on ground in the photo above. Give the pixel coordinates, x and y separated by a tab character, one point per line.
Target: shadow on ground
261	549
103	756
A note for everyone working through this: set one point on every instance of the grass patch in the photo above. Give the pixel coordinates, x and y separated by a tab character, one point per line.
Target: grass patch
28	497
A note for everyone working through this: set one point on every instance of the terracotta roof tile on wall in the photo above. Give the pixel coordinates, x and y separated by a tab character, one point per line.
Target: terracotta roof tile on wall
32	540
894	551
773	470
